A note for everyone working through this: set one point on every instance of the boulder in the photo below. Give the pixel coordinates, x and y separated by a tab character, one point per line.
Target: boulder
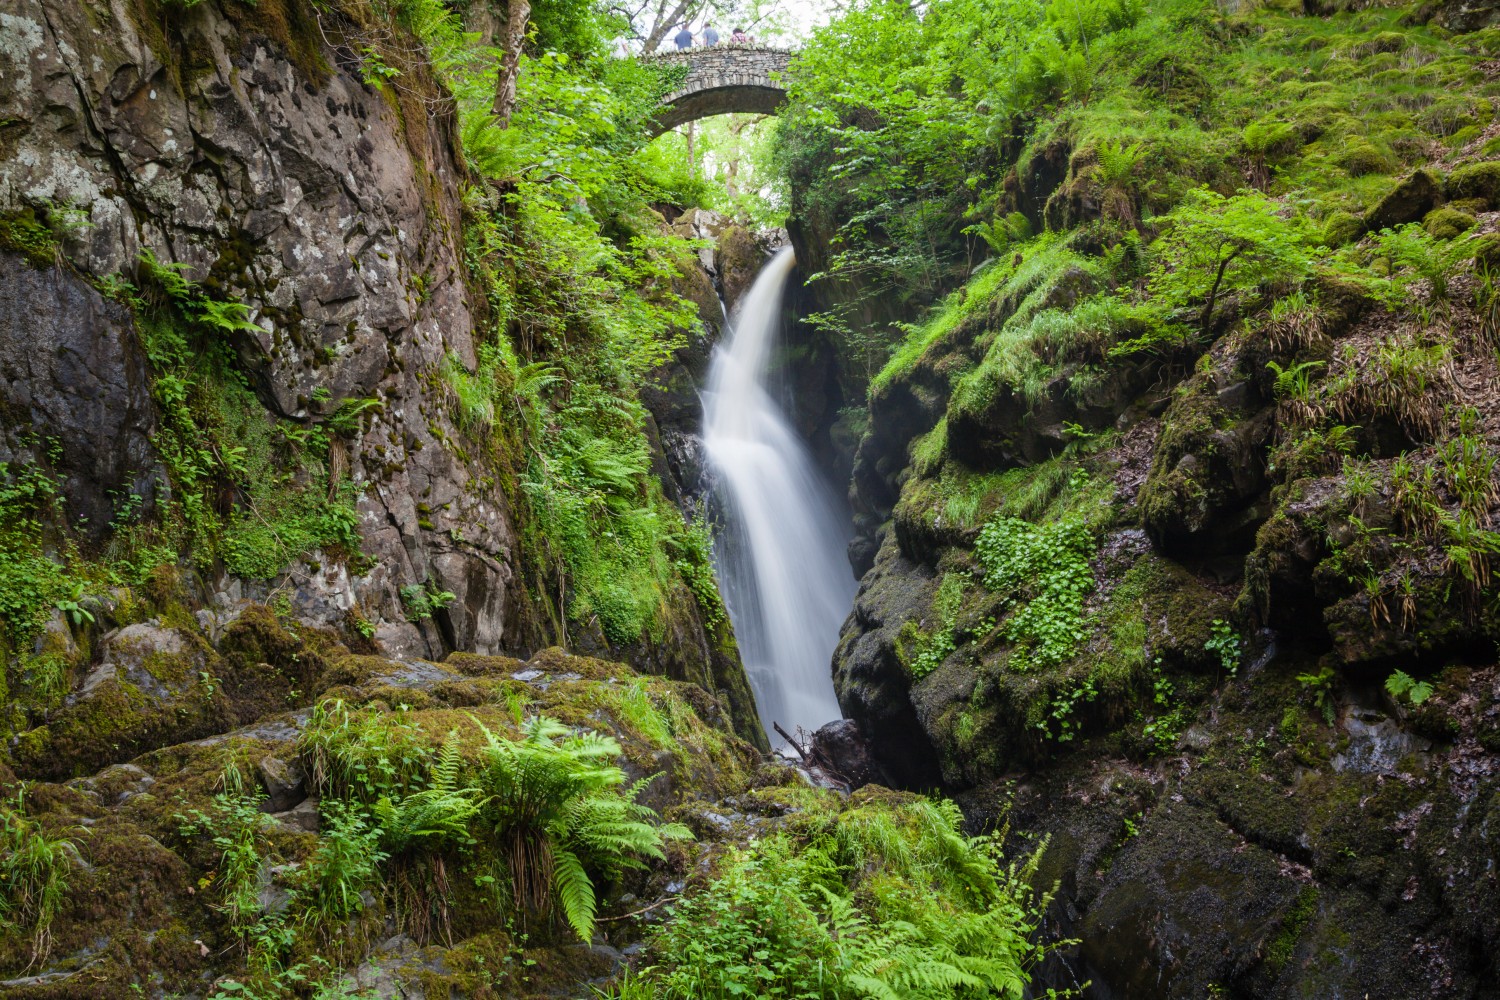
1409	201
153	686
842	749
285	784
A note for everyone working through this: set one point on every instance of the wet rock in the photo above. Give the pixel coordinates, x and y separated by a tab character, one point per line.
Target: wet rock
738	257
71	374
1377	744
1185	906
869	678
843	750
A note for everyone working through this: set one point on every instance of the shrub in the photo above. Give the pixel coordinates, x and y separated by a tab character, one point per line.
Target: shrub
1214	245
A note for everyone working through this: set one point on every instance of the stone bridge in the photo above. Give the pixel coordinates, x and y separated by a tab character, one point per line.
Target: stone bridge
722	79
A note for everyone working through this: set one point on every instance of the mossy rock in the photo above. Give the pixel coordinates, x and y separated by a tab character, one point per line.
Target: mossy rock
1470	206
1342	228
1361	157
154	686
1447	223
1208	467
1408	201
1475	180
268	667
1271	138
1341	301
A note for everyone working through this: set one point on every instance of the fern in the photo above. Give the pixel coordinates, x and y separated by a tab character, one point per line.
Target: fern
1294	382
1402	685
575	893
558	804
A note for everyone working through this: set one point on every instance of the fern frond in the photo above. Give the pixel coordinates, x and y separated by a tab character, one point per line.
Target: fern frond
575	893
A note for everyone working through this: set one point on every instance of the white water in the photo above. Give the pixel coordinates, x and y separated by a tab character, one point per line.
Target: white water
781	551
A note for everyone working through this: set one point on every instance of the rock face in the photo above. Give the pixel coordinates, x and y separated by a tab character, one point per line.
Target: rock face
241	142
69	369
285	183
1235	801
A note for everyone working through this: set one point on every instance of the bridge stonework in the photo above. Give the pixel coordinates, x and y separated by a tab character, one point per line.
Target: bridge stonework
722	79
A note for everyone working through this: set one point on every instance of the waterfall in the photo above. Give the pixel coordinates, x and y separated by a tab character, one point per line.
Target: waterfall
780	551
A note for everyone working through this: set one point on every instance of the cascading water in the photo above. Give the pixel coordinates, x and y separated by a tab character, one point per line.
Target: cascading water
781	548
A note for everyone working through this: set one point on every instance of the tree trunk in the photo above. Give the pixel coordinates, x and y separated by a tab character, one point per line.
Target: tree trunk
517	14
666	25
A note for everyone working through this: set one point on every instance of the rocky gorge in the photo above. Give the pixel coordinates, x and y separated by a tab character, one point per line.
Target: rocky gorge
1172	477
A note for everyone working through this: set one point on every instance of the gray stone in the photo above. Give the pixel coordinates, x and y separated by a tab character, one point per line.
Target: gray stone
284	782
724	79
68	365
302	816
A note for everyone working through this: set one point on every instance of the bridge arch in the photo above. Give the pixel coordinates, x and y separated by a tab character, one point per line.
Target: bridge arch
722	79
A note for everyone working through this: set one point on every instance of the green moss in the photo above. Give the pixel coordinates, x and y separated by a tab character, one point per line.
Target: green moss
1360	157
1476	180
1293	922
1342	228
21	233
1447	223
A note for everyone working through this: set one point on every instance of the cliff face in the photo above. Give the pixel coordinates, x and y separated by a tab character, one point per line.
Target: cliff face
1216	614
162	164
284	183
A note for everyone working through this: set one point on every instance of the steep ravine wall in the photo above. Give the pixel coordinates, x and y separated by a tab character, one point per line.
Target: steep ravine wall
1288	828
1232	801
240	142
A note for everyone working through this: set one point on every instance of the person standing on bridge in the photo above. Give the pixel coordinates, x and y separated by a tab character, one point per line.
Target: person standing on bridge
710	35
739	37
684	38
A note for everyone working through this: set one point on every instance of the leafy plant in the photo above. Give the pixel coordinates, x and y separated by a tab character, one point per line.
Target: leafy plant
934	645
1225	642
1044	571
1294	382
364	754
345	865
236	827
423	600
1320	687
560	809
1400	684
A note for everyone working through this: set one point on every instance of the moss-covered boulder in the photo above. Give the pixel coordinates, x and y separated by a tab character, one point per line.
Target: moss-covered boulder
1475	180
1447	223
153	685
1408	201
